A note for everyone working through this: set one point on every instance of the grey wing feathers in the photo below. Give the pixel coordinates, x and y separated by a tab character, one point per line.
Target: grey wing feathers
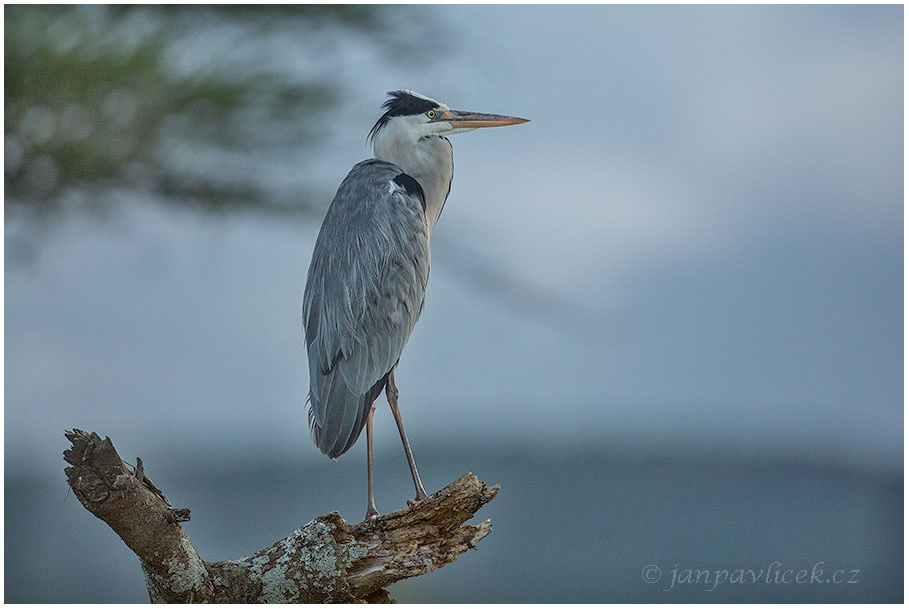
364	293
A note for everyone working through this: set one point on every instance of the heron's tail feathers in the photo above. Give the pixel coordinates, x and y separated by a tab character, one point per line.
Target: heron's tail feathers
345	416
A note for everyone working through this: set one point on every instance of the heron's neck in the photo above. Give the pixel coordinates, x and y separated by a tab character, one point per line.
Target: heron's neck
429	161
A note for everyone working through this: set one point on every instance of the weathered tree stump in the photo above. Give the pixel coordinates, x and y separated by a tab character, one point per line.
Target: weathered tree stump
325	560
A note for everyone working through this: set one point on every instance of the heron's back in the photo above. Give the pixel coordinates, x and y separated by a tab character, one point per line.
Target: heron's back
364	293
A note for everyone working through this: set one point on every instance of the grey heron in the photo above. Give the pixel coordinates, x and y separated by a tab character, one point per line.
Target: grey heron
369	270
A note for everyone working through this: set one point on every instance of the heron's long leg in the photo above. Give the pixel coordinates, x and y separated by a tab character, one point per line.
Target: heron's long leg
391	392
371	511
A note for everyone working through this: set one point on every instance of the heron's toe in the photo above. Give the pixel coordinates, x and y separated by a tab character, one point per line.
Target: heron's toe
371	515
416	500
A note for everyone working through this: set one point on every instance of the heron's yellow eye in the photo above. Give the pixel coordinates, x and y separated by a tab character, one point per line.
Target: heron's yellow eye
431	114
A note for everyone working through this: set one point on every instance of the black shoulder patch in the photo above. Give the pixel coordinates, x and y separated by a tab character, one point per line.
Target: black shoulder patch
411	186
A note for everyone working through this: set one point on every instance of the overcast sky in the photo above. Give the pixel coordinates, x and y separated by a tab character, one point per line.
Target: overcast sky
697	239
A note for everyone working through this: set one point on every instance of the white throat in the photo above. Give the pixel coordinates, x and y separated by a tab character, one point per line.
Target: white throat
428	160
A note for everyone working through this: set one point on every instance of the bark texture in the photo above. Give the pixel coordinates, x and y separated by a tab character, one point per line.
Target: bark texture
325	560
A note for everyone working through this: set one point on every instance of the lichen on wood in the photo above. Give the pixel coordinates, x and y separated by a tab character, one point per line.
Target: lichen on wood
325	560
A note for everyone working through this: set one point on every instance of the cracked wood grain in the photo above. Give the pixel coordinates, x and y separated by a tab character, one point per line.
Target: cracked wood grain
325	560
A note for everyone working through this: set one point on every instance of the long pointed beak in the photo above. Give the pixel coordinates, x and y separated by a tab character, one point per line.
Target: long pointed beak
475	120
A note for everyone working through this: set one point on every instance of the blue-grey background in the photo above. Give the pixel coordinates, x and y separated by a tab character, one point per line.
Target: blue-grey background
666	315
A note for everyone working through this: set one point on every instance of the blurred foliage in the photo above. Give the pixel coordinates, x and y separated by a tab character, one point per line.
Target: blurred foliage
163	102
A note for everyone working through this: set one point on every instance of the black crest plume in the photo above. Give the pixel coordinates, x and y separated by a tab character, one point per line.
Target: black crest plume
401	103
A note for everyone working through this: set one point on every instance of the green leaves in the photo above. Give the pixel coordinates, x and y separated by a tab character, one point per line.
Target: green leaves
101	99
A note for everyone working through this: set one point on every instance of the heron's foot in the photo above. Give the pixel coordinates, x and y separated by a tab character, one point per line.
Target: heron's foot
371	514
421	495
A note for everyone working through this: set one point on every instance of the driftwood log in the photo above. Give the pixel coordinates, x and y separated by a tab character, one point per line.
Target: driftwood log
325	560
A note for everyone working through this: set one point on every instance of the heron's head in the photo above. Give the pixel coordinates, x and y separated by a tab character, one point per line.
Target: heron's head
413	116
